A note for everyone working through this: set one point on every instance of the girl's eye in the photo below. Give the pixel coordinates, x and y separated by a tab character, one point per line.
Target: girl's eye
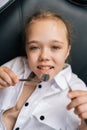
55	47
33	48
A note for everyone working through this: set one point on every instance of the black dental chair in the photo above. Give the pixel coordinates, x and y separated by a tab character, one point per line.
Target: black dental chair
14	14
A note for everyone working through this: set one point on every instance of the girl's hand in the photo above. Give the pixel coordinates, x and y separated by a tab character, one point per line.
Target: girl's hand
7	77
78	102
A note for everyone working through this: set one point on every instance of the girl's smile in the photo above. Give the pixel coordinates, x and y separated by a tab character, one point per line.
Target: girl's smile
45	68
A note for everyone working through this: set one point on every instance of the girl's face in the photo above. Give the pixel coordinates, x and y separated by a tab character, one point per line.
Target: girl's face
47	47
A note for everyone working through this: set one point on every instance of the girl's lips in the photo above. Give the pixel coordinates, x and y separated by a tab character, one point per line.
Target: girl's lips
45	69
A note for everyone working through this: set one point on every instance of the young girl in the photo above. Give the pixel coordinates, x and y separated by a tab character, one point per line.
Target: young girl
58	104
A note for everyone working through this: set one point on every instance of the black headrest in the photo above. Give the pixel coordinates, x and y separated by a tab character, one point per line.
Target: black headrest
79	2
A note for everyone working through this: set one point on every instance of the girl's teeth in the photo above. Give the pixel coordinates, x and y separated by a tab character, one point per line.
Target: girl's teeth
44	68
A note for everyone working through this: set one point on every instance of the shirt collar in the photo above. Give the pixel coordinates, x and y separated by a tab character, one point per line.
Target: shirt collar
63	77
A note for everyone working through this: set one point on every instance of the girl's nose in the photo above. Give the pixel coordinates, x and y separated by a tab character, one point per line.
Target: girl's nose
44	56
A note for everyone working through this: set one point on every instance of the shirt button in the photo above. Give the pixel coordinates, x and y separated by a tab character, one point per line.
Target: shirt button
39	86
42	117
26	104
17	128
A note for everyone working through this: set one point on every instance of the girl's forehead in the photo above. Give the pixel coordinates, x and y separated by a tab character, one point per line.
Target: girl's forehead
50	26
51	20
47	30
43	23
56	22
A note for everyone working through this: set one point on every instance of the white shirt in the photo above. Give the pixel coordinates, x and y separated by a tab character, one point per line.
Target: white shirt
47	105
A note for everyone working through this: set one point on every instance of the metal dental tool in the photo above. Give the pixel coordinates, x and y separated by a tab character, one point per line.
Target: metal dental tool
33	78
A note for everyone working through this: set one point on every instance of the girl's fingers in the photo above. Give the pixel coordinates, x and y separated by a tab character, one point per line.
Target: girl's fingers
3	83
7	77
76	101
81	109
79	103
13	77
83	115
76	93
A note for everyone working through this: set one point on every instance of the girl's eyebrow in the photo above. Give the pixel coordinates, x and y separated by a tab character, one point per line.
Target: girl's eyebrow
32	41
54	41
57	41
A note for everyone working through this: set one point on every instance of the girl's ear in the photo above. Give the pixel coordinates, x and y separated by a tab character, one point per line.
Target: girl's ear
68	52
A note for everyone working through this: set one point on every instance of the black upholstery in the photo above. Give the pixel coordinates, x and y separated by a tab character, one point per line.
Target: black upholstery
79	2
13	18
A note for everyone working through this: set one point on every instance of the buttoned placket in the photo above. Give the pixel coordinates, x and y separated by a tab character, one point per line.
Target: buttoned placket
29	106
33	100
